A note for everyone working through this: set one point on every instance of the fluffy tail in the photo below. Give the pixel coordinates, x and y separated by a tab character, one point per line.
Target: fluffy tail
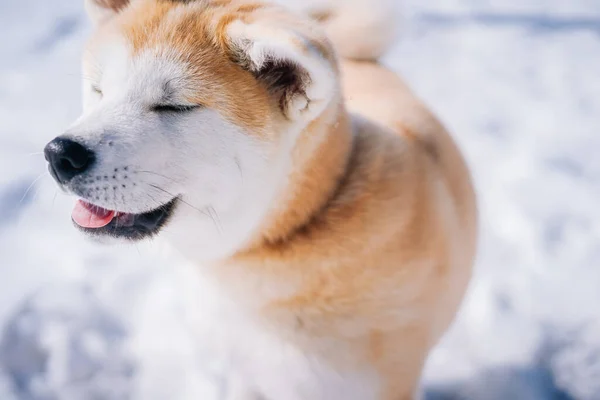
359	29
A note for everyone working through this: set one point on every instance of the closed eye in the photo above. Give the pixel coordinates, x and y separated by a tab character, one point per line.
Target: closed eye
173	108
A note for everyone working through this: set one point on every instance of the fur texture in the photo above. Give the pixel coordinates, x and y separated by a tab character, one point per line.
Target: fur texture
330	214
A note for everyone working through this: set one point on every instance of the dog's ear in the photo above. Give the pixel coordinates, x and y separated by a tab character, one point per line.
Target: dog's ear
295	63
101	10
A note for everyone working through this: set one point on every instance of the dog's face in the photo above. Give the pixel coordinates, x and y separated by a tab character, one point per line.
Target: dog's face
191	112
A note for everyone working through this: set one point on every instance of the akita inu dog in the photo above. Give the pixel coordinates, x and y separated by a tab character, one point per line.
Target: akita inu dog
331	212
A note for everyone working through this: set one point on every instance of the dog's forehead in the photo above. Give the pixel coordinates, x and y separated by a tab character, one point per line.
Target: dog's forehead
156	25
149	44
165	23
110	60
154	42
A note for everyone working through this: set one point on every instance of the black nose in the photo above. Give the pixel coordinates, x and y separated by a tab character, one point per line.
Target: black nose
67	159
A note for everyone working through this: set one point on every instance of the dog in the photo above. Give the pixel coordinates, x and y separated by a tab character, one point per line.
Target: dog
330	211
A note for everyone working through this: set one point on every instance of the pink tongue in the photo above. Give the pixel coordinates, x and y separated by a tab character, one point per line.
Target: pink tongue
87	215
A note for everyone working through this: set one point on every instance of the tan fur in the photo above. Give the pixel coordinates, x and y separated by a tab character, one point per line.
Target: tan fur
192	38
371	242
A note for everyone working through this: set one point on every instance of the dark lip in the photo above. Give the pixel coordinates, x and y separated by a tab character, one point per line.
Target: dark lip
144	225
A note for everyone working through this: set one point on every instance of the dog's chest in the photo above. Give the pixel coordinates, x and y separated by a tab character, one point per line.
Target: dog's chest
267	358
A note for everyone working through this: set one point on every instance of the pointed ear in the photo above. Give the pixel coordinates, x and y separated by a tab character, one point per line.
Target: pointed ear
102	10
296	65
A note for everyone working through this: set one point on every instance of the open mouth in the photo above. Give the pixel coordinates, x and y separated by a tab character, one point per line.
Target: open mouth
100	221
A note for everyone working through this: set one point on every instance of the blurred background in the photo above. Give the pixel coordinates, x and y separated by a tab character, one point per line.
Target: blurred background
516	81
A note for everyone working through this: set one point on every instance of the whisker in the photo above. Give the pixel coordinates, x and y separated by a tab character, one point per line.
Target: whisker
171	194
137	248
212	210
115	216
159	205
217	227
157	174
237	162
31	186
38	189
207	213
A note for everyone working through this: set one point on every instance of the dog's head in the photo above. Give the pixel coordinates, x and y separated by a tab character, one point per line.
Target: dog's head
191	111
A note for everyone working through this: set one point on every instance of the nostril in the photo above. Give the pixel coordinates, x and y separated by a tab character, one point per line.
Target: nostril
65	164
67	158
75	159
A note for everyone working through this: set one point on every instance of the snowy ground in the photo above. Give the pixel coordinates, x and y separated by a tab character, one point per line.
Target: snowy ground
516	81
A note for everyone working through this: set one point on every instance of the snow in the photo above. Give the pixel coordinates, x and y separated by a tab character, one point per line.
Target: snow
516	81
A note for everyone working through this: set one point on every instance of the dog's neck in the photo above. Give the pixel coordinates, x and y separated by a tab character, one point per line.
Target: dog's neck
319	162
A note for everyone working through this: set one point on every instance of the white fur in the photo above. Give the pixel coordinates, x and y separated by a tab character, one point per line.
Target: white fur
260	362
